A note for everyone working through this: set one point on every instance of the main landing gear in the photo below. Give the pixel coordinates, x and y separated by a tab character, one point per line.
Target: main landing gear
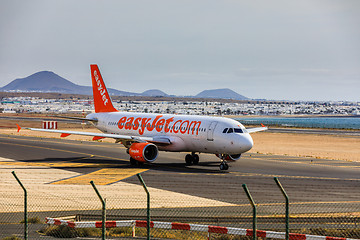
192	159
135	163
223	164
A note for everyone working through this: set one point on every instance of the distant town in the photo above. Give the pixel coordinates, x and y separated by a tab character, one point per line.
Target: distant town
47	92
215	107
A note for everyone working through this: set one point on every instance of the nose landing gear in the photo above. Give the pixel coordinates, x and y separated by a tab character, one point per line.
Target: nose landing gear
223	164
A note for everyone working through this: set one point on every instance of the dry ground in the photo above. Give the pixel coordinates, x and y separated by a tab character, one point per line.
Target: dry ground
308	145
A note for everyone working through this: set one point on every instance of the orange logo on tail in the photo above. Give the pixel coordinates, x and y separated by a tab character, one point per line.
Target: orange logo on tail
102	99
101	90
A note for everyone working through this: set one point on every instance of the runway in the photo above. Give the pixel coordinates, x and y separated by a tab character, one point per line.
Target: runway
59	167
89	157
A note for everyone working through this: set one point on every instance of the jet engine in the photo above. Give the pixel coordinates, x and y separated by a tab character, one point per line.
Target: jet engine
143	152
227	157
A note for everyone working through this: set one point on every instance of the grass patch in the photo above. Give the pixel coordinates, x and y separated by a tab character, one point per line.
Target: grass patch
67	232
120	232
33	220
172	234
13	237
63	231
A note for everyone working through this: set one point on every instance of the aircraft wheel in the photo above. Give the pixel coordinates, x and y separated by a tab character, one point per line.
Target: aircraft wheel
224	166
189	159
195	159
133	162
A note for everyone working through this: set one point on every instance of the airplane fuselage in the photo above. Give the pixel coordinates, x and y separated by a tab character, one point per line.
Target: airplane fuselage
188	133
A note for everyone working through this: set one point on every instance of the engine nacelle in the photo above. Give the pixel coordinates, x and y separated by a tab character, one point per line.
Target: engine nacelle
233	157
143	152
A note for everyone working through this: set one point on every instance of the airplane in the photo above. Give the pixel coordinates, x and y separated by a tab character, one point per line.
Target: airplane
145	134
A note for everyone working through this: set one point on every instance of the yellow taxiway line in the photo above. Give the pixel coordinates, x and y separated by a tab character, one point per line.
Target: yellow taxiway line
104	176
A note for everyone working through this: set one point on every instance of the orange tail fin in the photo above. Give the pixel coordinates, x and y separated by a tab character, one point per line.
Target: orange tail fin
102	100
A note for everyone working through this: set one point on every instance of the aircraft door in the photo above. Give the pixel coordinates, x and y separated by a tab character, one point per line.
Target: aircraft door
210	131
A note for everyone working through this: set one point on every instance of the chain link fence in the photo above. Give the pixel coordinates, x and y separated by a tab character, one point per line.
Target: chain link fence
321	209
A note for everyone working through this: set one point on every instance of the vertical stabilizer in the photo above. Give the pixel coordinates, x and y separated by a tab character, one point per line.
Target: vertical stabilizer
102	100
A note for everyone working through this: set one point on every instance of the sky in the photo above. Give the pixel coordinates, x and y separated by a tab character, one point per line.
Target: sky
276	50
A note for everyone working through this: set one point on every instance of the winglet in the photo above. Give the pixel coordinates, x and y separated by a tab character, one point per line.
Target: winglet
65	135
19	128
97	138
102	100
262	125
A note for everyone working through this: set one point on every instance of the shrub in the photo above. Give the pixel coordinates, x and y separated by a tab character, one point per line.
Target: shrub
13	237
63	231
32	220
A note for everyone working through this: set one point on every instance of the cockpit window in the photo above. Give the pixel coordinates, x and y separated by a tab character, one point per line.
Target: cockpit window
233	130
238	130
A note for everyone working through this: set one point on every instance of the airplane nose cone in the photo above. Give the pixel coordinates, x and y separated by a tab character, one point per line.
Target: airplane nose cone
247	142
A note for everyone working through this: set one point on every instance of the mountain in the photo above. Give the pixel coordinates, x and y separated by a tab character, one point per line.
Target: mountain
224	93
154	93
47	81
44	81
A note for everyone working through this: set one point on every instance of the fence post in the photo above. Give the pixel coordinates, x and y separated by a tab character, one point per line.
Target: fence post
134	230
103	225
286	207
25	207
254	209
148	205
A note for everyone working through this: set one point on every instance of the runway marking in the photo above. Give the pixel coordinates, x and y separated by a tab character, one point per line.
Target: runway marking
289	176
309	162
60	164
239	174
44	139
301	203
104	176
62	150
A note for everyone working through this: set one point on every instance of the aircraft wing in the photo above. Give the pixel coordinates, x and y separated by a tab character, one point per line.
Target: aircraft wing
75	118
258	129
65	133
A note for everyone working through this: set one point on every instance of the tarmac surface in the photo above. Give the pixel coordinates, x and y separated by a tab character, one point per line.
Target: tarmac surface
315	186
170	167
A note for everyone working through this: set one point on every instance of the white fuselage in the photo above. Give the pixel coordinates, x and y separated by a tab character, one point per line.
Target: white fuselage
188	133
